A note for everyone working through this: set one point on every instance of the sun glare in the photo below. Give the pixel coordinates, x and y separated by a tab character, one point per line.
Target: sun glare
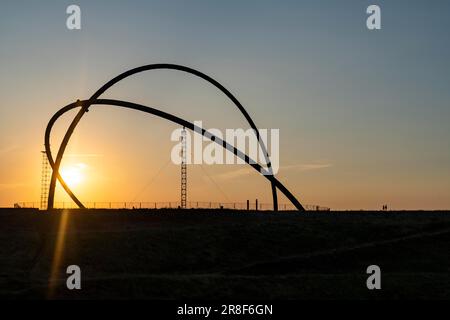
73	175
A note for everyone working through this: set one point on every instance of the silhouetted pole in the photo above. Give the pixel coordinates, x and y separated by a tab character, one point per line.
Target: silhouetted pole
248	205
256	204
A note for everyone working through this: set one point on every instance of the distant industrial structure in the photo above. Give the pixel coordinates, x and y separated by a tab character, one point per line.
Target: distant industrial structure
45	181
46	174
183	188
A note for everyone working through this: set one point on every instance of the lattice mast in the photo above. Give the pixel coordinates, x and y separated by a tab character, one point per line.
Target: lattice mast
183	169
45	181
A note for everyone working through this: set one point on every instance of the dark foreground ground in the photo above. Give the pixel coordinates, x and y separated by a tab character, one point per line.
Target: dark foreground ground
167	254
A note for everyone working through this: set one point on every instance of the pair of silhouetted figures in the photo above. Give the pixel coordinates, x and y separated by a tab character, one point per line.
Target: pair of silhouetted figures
385	207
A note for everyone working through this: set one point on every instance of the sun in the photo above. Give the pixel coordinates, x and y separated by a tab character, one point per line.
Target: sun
73	175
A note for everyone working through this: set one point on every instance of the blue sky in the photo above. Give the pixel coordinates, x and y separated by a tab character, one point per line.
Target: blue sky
369	108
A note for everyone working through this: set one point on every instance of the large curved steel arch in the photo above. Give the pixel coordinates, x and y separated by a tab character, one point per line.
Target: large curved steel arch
85	106
184	123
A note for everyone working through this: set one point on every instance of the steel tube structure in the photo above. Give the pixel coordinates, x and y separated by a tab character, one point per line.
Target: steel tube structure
181	122
84	107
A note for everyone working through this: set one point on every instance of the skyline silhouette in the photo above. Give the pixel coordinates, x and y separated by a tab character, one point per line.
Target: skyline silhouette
362	114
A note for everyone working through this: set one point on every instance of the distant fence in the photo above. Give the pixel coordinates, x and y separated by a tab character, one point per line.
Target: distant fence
174	205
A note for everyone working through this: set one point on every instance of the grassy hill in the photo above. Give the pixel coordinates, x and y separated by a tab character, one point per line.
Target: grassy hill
168	254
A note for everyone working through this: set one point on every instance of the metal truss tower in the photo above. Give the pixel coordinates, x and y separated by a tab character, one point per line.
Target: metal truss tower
183	169
45	181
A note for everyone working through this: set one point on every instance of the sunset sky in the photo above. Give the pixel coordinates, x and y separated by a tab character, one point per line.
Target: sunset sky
363	115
